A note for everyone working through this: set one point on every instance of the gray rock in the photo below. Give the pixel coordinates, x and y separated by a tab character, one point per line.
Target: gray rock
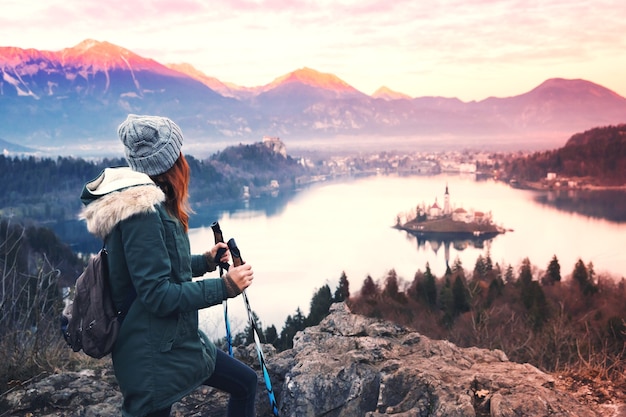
350	365
347	366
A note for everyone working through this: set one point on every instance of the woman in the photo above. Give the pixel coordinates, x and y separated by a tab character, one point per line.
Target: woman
141	212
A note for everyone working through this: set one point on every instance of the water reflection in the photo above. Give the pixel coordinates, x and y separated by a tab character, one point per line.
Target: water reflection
599	204
267	206
459	245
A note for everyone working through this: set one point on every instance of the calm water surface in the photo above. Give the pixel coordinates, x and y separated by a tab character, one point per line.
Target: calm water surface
299	243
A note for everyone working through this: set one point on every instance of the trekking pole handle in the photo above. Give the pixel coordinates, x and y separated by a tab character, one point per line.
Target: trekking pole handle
219	238
234	251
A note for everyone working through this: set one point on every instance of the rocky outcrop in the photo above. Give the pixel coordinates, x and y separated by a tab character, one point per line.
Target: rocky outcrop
351	365
347	366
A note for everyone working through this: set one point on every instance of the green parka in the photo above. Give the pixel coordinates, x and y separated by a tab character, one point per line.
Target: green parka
160	355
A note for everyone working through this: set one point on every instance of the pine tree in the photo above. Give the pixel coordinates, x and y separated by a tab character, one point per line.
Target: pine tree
526	273
271	335
446	302
391	289
581	277
591	273
480	268
508	276
553	274
488	262
342	293
320	305
292	326
460	296
495	290
430	287
532	296
369	288
535	302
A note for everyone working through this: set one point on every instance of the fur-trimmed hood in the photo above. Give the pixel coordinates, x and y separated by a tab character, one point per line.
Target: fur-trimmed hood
117	194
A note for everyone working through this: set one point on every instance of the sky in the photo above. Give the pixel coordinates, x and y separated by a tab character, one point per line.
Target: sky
470	49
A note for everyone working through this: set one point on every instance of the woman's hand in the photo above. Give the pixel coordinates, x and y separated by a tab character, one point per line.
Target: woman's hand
225	253
241	276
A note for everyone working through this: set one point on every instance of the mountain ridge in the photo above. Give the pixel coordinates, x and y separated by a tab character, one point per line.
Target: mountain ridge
90	48
80	94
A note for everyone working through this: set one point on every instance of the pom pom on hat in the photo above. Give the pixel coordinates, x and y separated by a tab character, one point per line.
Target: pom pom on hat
151	143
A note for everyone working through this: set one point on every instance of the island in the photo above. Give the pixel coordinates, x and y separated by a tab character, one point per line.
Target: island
446	223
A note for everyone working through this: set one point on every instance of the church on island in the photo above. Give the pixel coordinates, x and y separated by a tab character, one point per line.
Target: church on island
434	212
447	220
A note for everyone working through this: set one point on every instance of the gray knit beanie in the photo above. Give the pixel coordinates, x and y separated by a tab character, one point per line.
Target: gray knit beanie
151	143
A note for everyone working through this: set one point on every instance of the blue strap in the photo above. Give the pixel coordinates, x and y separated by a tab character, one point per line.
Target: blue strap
259	350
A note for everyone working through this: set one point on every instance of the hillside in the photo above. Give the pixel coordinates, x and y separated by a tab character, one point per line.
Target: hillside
596	157
47	190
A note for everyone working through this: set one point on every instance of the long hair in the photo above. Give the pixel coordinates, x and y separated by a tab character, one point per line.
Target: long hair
175	184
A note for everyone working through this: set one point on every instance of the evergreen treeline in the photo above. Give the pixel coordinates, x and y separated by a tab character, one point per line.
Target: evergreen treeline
599	153
47	189
564	325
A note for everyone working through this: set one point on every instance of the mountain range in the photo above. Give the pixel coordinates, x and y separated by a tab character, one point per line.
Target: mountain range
76	97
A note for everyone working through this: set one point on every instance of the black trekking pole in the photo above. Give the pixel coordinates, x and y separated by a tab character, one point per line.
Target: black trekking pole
217	234
237	260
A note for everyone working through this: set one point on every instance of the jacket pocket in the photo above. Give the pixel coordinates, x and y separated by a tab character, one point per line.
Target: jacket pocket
173	249
169	327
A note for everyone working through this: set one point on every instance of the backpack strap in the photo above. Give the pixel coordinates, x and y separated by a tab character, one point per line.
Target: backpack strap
130	297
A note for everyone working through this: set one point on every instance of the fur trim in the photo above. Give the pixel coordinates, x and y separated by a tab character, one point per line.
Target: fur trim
104	213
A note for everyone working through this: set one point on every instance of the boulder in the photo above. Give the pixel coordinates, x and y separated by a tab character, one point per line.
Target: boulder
350	365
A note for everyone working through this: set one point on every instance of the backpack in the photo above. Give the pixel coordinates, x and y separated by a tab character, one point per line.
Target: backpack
90	322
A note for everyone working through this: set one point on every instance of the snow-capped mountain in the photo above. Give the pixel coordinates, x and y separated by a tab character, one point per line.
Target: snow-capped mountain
80	95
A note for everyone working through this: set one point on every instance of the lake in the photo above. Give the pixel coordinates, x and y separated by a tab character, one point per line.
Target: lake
297	243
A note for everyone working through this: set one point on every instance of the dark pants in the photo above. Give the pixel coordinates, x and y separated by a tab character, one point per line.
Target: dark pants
231	376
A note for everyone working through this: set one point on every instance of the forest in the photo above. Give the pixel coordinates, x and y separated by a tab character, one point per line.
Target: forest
562	323
566	323
47	189
598	153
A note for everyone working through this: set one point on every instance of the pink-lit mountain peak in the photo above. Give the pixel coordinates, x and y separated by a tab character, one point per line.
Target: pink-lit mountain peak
101	54
573	86
314	78
105	56
386	93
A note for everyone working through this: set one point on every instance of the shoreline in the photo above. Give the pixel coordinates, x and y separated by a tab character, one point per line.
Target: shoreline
579	184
